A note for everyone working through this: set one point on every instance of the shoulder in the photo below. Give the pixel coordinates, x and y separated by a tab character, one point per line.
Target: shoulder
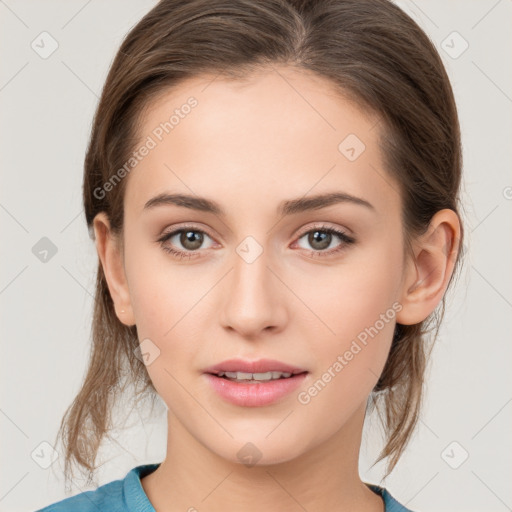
106	497
391	504
122	495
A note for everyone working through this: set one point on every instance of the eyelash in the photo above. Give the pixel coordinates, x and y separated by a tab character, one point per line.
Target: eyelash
346	239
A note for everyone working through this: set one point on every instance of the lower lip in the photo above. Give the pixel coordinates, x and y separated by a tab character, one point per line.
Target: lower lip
254	394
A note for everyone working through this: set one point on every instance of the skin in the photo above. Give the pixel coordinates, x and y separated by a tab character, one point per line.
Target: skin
250	145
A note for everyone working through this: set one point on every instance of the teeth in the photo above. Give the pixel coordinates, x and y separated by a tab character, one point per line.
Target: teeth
255	376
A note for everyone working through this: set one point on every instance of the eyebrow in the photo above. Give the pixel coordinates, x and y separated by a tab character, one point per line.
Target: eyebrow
288	207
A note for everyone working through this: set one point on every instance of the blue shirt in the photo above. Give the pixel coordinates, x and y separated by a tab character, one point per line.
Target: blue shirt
127	495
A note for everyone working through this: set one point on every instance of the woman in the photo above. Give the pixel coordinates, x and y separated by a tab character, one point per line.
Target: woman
273	189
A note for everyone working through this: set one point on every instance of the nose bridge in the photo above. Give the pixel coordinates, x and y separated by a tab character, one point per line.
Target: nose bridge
253	299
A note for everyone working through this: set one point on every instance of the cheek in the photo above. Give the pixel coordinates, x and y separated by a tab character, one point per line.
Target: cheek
166	300
160	291
163	303
351	297
349	362
356	307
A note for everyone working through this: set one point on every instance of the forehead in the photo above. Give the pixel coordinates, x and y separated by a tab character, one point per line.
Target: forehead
279	133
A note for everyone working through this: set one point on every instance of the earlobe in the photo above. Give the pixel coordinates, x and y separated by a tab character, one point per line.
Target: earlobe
429	271
110	255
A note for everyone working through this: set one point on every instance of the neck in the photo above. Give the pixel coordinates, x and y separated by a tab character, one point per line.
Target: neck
192	477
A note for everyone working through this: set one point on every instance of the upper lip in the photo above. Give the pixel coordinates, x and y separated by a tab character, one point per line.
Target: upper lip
259	366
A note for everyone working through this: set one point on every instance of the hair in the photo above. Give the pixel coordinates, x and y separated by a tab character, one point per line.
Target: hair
375	55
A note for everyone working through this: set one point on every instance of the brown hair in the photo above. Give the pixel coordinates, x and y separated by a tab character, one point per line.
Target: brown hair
375	55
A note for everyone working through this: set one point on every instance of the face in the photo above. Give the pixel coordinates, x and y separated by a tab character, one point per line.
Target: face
269	273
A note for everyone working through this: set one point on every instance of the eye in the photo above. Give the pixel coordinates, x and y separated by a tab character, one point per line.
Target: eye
188	237
322	237
191	239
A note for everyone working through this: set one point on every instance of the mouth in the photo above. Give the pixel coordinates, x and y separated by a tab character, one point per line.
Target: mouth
254	383
261	370
254	378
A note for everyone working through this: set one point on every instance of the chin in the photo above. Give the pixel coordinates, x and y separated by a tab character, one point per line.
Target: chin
260	451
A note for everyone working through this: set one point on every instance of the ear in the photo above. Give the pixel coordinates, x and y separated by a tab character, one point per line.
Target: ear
111	256
429	269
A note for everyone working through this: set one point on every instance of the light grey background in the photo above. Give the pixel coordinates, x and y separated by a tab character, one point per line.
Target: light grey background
47	108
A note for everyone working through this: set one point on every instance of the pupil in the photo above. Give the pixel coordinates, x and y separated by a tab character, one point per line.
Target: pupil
191	240
324	239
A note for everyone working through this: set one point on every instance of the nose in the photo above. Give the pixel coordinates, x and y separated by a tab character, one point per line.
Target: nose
254	298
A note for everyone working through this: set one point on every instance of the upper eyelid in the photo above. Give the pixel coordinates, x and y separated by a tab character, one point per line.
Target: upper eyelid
317	225
325	225
184	227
